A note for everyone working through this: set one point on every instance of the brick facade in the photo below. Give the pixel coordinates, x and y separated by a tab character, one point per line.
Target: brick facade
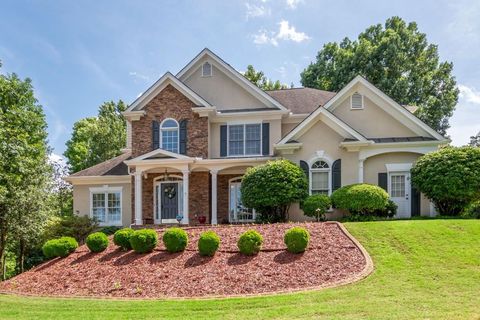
223	196
170	103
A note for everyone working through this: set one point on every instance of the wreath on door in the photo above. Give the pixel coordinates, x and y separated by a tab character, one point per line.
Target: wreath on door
170	192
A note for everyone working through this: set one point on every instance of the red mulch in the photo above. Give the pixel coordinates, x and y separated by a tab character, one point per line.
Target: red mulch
330	258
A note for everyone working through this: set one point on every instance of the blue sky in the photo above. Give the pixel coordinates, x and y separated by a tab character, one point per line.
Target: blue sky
82	53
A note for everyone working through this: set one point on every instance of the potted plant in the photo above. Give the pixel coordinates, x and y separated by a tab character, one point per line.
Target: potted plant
202	219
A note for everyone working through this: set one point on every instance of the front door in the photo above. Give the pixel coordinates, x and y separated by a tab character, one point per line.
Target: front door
400	193
169	201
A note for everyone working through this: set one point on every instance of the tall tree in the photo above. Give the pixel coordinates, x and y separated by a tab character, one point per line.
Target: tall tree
259	79
396	58
24	168
475	140
97	139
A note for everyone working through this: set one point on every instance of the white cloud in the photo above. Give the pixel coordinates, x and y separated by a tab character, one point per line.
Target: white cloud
286	32
139	75
57	158
466	118
292	4
254	11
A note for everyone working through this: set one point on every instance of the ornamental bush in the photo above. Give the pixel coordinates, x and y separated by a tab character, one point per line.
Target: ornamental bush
97	242
360	199
121	238
250	242
175	240
449	177
472	210
316	206
144	240
296	239
208	243
272	187
60	247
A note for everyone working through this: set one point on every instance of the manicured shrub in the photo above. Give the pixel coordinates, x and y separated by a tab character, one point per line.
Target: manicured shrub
272	187
360	199
296	239
449	177
250	242
208	243
97	242
316	205
144	240
78	227
60	247
175	239
472	210
121	238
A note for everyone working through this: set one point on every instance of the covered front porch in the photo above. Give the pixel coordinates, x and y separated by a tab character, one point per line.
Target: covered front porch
169	188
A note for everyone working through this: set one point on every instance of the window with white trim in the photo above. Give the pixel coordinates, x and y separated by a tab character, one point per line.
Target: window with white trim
356	101
320	176
237	211
245	139
207	69
169	135
106	206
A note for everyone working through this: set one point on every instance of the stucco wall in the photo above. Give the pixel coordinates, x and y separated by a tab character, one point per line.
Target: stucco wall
81	200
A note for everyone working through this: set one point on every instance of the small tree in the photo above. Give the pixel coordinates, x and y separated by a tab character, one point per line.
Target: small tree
271	188
316	206
449	177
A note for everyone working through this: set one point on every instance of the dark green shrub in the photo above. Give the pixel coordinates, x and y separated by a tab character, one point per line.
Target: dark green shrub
449	177
208	243
121	238
361	199
472	210
144	240
388	212
296	239
175	239
97	242
78	227
271	188
110	230
60	247
250	242
316	206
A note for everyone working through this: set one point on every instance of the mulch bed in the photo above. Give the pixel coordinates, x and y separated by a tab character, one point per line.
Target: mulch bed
331	258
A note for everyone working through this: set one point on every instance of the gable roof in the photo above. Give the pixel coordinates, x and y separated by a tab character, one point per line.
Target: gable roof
301	100
158	154
111	167
233	74
159	85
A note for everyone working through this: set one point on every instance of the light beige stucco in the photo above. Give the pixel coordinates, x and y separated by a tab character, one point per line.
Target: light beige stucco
371	121
81	200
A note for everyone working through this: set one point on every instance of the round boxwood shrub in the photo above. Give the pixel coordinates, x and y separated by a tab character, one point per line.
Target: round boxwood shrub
144	240
316	205
175	239
250	242
296	239
121	238
360	199
97	241
208	243
60	247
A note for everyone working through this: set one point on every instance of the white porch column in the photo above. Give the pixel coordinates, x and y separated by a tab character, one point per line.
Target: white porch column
138	198
214	195
186	174
360	170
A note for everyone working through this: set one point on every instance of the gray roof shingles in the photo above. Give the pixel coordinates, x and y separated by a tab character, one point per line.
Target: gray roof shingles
111	167
301	100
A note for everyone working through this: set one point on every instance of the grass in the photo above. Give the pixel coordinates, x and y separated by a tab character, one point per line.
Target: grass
424	269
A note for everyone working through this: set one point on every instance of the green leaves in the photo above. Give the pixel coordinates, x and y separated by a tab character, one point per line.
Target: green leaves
259	79
398	60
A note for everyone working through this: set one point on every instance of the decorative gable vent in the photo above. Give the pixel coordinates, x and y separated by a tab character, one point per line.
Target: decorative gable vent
206	70
356	101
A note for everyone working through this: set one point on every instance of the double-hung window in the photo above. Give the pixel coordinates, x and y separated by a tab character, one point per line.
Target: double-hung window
169	135
320	178
244	139
106	206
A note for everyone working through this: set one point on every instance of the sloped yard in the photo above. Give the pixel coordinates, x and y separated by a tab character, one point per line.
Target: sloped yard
332	258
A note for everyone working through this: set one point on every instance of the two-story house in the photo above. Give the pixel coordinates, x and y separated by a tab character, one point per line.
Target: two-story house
191	136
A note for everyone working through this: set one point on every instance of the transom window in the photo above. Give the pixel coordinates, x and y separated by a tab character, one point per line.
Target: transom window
320	178
169	135
206	70
244	139
237	211
106	206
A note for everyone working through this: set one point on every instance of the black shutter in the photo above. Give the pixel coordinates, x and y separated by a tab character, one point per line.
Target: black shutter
183	137
223	141
337	174
266	139
305	168
155	135
415	201
383	180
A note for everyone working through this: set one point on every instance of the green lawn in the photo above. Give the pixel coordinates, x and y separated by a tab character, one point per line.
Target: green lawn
424	269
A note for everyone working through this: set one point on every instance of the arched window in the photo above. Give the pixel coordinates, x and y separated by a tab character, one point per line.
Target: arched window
169	135
320	176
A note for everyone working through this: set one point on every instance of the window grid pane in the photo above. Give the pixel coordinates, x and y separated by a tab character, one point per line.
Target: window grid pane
98	206
320	182
114	209
235	140
253	137
170	140
398	186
